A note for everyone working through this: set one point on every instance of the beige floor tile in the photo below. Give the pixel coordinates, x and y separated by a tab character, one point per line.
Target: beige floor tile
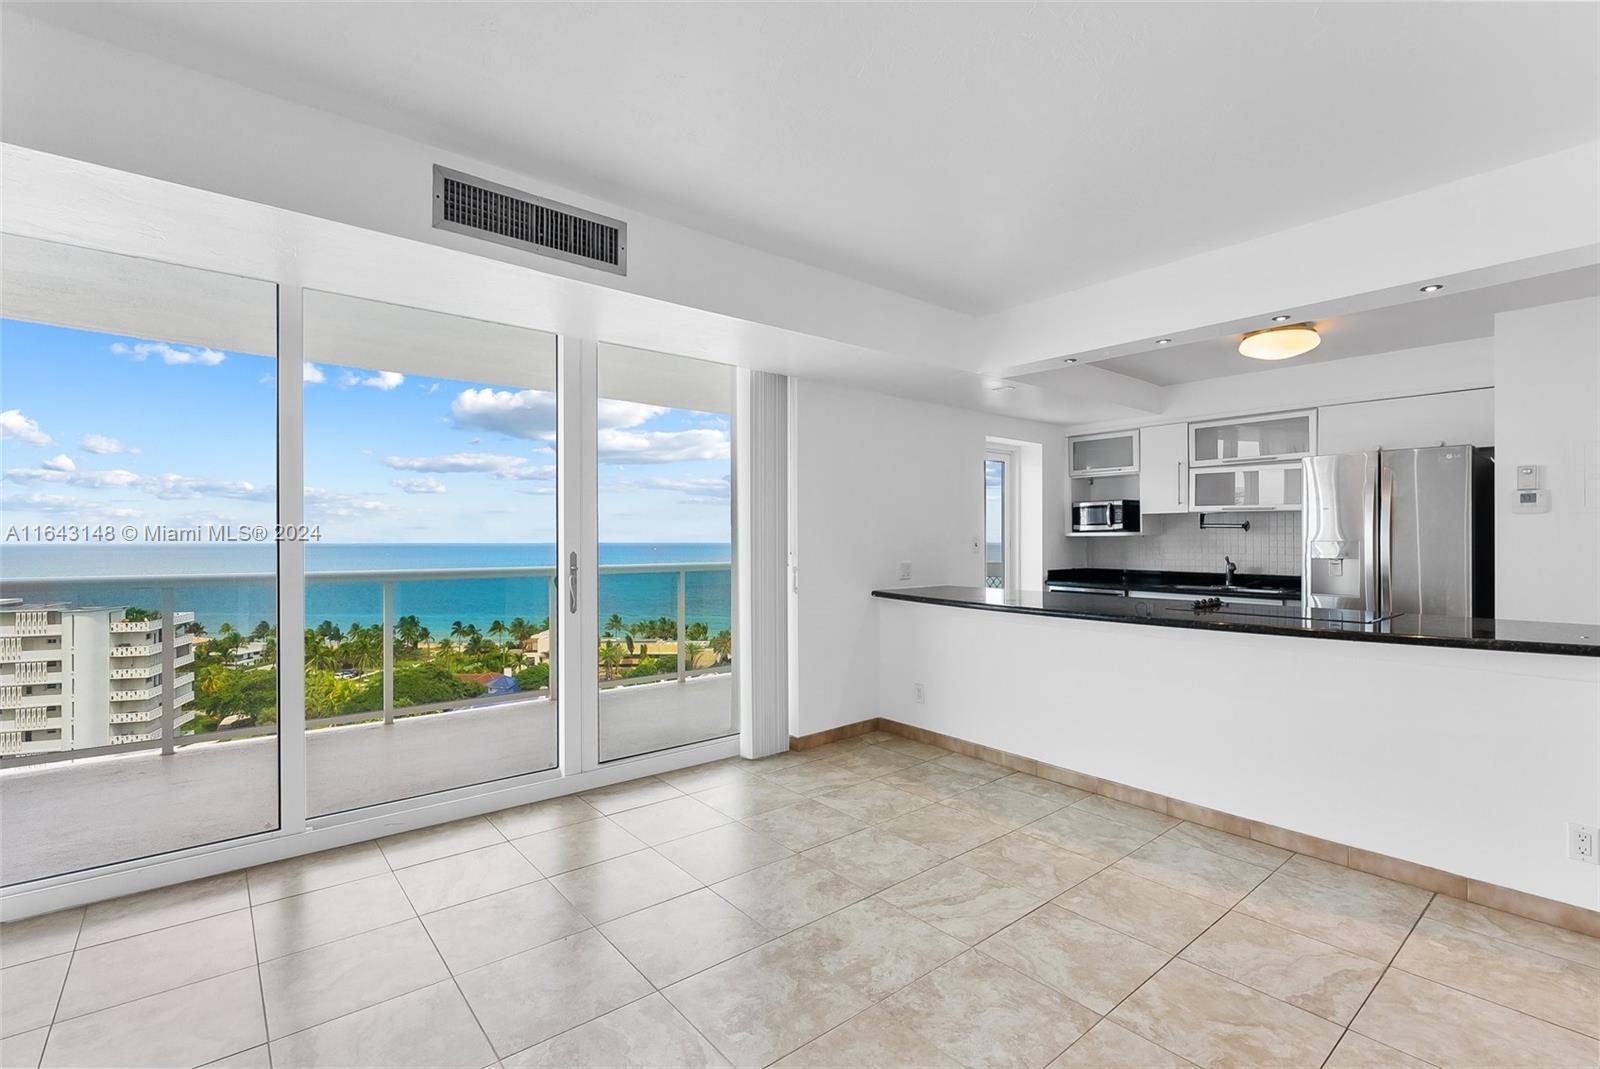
254	1058
312	872
162	908
29	993
1042	788
1085	833
1452	1028
542	816
430	1028
872	761
1574	946
943	830
528	998
764	766
334	979
500	925
804	825
661	822
933	780
39	937
1367	919
872	947
1193	869
962	763
1091	964
683	935
302	921
647	1034
879	736
630	794
815	777
704	777
1213	1021
837	749
788	893
1032	864
748	797
1150	912
1110	1046
961	902
999	803
441	840
1325	980
721	852
1146	820
922	751
23	1050
872	802
190	1026
622	885
873	859
875	1037
1539	984
449	881
764	1003
141	965
1264	854
984	1014
1356	1051
572	846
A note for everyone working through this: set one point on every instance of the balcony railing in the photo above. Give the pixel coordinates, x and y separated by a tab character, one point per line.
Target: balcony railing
390	587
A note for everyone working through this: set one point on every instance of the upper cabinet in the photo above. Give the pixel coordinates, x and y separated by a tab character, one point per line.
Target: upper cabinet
1278	436
1248	488
1164	469
1116	453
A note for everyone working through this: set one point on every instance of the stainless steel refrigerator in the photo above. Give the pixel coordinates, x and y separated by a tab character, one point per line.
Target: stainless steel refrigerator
1396	531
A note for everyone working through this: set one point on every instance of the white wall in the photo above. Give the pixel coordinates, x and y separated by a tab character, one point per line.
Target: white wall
877	481
1463	417
1547	412
1468	761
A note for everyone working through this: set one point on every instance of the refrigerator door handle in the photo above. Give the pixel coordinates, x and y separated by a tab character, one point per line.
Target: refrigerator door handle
1385	532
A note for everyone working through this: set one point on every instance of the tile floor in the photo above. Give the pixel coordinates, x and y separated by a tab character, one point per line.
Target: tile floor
875	902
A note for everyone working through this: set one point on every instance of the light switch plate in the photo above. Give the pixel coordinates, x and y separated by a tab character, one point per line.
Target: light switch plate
905	569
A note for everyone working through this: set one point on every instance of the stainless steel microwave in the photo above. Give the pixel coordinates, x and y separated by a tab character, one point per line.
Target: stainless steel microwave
1091	516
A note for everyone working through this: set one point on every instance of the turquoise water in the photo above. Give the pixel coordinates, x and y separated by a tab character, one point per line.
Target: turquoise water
437	603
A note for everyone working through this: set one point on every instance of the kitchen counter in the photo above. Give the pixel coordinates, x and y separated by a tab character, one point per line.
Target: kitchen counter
1514	636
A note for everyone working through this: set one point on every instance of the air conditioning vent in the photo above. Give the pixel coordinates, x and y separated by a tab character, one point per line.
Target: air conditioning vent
483	209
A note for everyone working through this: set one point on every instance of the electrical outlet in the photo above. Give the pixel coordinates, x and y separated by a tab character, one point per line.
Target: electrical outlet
918	695
1583	843
905	569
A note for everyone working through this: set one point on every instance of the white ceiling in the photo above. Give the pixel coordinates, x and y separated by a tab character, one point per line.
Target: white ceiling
977	156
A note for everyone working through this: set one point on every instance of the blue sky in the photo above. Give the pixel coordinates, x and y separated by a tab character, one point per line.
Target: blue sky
96	428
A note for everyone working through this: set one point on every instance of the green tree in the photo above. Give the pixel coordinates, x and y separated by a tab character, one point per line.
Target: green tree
499	631
534	677
697	630
722	645
408	633
610	658
261	632
614	624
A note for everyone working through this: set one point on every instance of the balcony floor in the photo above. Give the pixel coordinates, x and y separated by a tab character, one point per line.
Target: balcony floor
63	817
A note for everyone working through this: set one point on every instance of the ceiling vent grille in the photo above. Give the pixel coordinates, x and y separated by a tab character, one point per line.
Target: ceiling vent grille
483	209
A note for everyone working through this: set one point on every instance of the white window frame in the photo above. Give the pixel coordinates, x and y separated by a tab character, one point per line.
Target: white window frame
1011	457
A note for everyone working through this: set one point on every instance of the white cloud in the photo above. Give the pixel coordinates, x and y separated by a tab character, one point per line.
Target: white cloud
13	424
531	414
310	372
114	477
500	465
104	445
59	462
62	503
335	503
518	413
699	491
626	413
180	487
170	354
383	380
426	484
662	447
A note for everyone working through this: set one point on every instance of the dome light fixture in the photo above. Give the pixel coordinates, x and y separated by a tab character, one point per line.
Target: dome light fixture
1280	343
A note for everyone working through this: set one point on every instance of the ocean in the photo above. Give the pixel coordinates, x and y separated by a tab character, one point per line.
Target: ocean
437	603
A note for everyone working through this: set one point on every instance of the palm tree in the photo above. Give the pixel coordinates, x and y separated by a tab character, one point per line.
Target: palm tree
521	630
498	630
610	658
458	631
691	650
722	645
614	624
262	632
408	632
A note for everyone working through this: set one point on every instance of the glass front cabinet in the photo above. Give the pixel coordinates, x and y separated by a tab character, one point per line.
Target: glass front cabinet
1114	453
1246	488
1253	439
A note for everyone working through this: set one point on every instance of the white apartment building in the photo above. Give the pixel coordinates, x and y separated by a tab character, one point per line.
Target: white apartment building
76	678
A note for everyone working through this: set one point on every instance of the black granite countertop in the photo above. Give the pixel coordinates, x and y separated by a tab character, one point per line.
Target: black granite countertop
1514	636
1201	584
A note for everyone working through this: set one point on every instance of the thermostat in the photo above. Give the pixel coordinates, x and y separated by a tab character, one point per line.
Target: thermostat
1531	501
1527	476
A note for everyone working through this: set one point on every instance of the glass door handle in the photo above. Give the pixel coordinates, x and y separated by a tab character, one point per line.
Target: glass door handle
572	582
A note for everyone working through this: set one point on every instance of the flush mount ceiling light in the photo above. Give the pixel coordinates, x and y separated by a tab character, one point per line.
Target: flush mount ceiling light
1000	387
1279	343
1433	287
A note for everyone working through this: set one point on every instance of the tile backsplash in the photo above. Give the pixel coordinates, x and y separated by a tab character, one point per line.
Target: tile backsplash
1176	543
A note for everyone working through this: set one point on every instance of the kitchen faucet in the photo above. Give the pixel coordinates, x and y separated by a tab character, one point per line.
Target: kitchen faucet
1231	568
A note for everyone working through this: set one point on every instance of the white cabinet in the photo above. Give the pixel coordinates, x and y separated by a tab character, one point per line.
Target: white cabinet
1252	488
1254	439
1116	453
1164	469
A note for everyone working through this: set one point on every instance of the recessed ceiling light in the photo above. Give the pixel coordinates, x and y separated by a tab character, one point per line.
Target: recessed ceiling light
1001	386
1163	341
1433	287
1281	319
1072	360
1279	343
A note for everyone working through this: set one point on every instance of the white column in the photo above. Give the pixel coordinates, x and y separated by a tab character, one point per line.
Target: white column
291	561
761	604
